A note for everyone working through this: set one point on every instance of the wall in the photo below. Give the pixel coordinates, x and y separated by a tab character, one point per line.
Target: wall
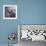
29	12
34	12
7	26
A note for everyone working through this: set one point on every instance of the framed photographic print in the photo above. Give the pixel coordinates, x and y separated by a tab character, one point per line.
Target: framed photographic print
9	11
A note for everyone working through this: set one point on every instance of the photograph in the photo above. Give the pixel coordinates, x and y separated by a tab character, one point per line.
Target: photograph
9	11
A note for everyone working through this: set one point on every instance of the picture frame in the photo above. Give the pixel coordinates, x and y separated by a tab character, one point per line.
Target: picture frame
9	11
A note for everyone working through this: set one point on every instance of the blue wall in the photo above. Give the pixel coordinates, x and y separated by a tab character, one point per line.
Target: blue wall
33	12
7	26
28	12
